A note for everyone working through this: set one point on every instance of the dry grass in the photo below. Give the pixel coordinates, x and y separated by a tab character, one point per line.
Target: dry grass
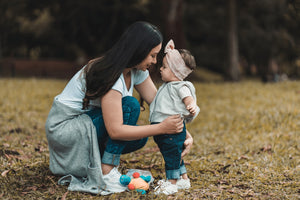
246	143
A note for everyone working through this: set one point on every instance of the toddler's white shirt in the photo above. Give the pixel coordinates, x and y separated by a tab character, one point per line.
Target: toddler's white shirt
168	101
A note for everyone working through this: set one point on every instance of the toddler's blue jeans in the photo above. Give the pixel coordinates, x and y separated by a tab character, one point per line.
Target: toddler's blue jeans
171	146
111	150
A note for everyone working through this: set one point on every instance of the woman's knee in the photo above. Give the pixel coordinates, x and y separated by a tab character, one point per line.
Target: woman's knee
131	102
135	145
131	110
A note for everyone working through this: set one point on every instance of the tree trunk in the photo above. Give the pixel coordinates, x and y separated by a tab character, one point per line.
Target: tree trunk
173	21
234	70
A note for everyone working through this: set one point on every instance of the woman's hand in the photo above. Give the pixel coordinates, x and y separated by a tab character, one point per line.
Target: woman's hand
172	125
188	143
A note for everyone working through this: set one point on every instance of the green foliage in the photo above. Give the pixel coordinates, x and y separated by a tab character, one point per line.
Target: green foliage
246	143
64	29
69	29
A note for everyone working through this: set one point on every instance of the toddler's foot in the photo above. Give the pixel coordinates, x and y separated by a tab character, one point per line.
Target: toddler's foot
183	183
165	187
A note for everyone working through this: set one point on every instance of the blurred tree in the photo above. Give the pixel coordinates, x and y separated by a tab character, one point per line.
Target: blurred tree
266	34
296	6
173	12
263	34
206	33
9	26
234	70
292	19
65	29
268	30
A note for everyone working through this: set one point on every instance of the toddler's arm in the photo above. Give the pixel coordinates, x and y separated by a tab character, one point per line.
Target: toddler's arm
190	105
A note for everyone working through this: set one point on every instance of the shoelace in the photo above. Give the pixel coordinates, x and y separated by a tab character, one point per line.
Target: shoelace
161	184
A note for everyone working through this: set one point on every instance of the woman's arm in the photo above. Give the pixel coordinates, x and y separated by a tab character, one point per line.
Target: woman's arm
111	104
147	90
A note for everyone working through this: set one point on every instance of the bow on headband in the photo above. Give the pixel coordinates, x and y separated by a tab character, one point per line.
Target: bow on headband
175	61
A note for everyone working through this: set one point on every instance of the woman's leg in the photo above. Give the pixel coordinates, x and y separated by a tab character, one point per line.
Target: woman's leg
102	136
112	149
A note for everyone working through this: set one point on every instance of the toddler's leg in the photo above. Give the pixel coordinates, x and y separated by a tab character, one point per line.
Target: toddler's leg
183	171
171	149
184	182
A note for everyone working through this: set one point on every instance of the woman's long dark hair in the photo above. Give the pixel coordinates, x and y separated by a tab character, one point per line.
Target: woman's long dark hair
131	49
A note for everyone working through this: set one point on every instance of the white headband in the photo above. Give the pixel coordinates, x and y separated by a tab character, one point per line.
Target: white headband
175	61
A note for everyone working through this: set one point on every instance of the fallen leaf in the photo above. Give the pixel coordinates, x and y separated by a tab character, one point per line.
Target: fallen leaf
242	157
4	173
52	190
32	188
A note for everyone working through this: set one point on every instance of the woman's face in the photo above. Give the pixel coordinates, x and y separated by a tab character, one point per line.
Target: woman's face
166	73
151	59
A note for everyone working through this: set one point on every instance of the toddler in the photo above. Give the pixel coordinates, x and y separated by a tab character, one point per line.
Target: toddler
175	96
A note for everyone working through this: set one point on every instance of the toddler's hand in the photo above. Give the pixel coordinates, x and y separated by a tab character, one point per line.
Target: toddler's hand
192	108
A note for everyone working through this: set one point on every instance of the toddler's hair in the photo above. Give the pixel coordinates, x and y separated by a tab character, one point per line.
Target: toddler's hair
188	58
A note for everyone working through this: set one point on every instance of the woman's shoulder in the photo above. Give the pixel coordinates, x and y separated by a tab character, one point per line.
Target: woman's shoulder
139	76
137	72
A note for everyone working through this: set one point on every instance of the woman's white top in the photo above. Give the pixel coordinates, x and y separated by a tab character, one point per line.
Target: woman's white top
74	92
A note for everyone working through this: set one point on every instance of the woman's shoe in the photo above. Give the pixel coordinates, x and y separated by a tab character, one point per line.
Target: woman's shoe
112	181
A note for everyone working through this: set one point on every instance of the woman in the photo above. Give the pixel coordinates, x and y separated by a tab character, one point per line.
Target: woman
96	110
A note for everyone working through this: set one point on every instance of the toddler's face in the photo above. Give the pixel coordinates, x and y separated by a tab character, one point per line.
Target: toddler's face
166	73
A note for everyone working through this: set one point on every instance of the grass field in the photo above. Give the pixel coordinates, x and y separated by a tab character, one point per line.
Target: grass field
246	143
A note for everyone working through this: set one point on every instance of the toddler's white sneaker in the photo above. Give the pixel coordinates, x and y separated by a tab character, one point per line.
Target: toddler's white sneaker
165	187
183	183
112	181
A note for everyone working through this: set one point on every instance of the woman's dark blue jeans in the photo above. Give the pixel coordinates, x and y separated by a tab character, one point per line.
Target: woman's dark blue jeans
111	150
